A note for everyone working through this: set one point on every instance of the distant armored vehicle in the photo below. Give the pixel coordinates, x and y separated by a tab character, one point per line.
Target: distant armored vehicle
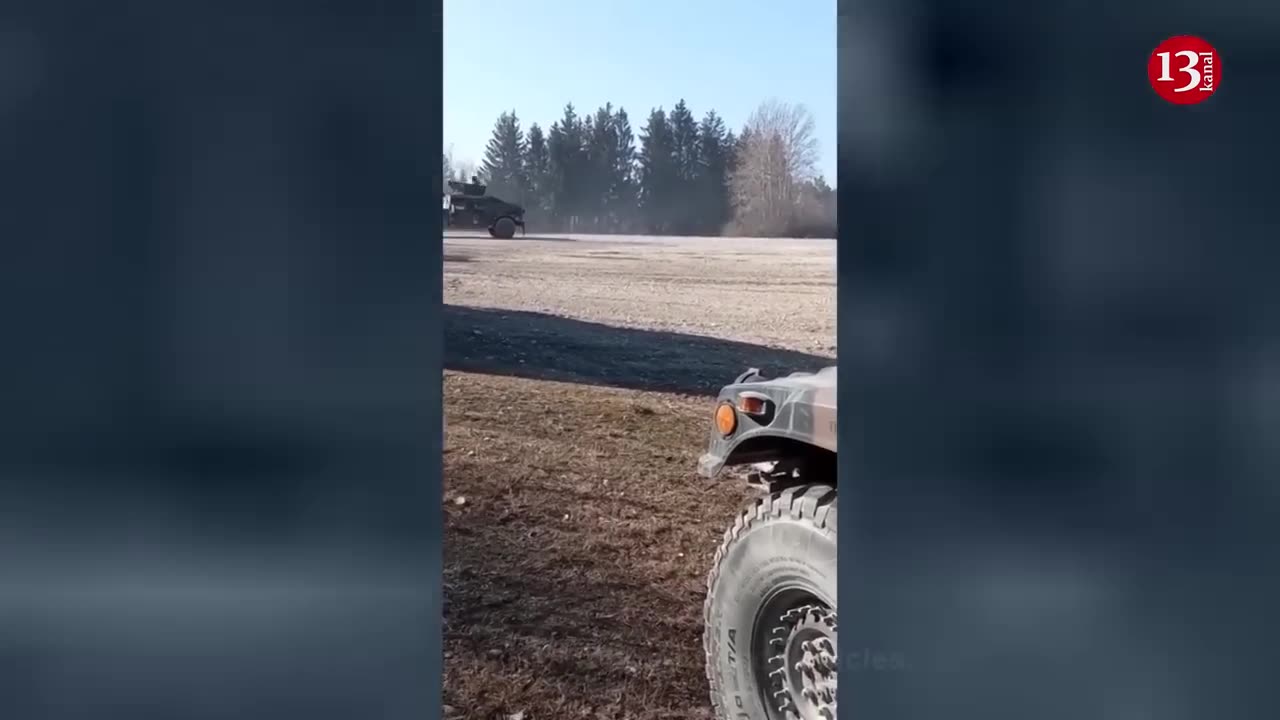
770	612
467	206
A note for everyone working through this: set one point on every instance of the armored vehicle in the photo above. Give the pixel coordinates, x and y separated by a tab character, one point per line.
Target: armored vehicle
770	613
467	206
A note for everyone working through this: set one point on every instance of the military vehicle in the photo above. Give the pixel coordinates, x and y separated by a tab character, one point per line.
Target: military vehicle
770	613
469	207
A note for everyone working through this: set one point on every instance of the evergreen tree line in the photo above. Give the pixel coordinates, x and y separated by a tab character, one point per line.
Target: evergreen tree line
678	176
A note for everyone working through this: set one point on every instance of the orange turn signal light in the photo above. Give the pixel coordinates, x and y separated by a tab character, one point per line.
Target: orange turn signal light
726	419
751	405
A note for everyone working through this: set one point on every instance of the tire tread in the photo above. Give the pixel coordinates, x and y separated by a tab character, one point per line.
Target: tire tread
815	503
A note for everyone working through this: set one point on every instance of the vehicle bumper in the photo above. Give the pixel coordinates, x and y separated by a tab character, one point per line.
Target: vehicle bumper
709	465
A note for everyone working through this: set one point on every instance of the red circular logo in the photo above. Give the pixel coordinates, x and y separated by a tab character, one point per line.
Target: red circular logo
1184	70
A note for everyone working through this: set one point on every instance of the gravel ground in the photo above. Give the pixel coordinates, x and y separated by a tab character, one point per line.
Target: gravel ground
579	381
768	291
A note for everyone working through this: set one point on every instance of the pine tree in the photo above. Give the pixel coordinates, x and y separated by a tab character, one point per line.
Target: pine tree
713	174
737	202
555	178
605	178
590	180
537	170
503	166
624	160
684	141
565	151
658	174
731	142
684	145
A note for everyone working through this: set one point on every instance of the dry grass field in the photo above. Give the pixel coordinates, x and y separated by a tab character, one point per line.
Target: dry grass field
579	380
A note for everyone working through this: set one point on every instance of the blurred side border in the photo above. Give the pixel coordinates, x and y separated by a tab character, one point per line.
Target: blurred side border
1058	336
220	294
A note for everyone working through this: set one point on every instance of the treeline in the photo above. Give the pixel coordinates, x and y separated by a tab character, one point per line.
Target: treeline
679	175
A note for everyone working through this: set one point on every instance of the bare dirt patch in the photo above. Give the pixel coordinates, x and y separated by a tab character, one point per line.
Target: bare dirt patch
577	534
575	566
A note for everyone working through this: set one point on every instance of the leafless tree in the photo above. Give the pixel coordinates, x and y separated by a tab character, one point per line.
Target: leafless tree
777	159
466	170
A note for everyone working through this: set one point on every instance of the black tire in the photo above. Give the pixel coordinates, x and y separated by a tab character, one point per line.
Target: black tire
504	228
780	553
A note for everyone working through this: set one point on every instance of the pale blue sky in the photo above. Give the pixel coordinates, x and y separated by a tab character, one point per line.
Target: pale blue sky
726	55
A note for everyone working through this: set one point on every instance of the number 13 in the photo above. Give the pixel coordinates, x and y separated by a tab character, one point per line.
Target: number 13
1192	58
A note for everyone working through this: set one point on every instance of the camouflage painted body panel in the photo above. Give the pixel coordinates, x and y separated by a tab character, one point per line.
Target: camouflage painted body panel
469	206
804	410
469	211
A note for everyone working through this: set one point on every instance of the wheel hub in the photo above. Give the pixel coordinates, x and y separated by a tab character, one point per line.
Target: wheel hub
804	663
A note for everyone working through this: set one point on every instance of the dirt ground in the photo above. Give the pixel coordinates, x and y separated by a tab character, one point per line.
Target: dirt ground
579	381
